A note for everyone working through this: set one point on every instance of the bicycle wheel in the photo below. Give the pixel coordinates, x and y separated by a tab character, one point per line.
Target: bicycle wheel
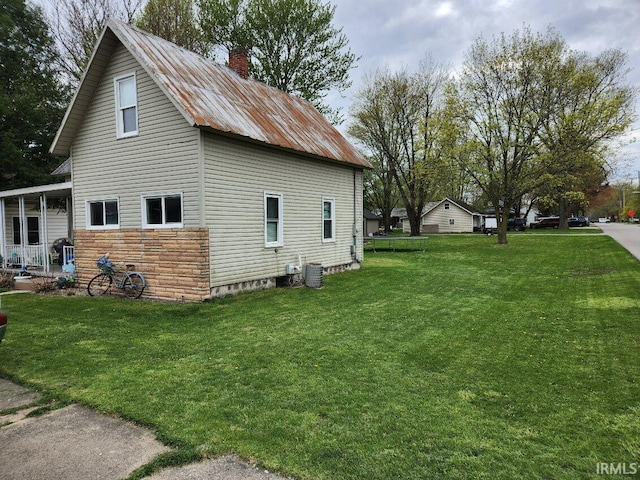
133	285
99	285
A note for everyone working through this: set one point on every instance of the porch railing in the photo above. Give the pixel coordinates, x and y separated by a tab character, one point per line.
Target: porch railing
29	255
68	254
32	256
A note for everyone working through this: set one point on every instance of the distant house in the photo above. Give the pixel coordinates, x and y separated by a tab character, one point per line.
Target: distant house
398	215
371	222
209	182
448	216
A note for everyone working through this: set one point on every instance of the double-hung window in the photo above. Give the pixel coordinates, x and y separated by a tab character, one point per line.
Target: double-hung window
328	219
33	231
126	106
273	220
103	214
162	211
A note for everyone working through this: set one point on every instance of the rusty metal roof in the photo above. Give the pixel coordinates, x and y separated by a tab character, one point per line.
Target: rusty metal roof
215	97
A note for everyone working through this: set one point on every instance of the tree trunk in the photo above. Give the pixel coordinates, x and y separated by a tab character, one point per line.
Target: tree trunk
502	215
414	217
564	224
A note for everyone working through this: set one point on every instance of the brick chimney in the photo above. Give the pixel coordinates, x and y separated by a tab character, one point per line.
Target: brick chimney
239	61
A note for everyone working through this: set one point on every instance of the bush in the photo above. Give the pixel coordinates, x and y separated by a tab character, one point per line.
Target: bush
6	280
44	284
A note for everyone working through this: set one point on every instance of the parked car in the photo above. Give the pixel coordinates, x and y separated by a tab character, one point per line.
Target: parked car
547	222
516	224
3	325
578	222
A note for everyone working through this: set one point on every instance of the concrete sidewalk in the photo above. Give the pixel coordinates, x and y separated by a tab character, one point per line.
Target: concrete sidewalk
626	234
77	443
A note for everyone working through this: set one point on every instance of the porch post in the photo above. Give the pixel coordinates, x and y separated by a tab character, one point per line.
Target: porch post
44	237
24	239
3	234
69	206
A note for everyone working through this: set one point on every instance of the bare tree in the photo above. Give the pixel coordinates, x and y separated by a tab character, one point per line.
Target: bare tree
77	24
173	20
399	117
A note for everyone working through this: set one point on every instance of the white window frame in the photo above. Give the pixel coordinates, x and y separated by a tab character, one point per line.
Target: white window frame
104	213
280	226
164	223
446	206
27	230
120	133
332	202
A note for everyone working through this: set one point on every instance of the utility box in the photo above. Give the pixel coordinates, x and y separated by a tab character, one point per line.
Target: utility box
292	269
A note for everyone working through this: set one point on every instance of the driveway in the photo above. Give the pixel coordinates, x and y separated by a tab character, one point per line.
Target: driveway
78	443
626	234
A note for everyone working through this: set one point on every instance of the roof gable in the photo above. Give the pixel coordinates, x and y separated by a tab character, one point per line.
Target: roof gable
213	97
458	203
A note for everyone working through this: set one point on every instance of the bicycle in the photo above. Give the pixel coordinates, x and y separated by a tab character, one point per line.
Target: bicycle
132	283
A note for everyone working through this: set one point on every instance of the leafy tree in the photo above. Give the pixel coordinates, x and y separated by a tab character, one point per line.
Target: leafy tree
592	105
31	99
380	192
78	25
539	118
502	101
400	118
292	44
173	20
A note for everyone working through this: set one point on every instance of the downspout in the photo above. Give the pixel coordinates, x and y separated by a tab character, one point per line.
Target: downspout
354	255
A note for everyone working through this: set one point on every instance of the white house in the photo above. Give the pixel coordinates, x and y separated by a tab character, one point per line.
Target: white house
209	182
448	216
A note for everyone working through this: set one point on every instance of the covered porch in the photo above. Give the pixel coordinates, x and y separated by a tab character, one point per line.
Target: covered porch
31	220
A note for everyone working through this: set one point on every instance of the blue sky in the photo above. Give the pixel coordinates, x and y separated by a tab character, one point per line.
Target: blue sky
400	33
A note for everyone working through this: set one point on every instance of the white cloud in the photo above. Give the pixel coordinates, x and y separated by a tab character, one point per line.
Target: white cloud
401	33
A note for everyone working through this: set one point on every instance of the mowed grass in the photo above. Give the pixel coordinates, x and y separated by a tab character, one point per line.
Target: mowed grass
469	360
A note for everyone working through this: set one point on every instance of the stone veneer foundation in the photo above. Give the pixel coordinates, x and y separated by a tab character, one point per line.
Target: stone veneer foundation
174	262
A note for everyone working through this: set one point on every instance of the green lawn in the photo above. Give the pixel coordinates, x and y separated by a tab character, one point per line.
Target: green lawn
469	360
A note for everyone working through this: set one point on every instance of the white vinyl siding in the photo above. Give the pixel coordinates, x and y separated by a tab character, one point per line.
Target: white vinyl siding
237	176
450	218
163	157
57	226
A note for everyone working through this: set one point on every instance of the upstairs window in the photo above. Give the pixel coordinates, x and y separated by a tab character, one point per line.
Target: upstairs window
162	211
102	214
273	220
126	106
328	220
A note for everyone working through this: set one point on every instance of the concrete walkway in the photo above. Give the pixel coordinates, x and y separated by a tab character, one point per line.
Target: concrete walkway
77	443
626	234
